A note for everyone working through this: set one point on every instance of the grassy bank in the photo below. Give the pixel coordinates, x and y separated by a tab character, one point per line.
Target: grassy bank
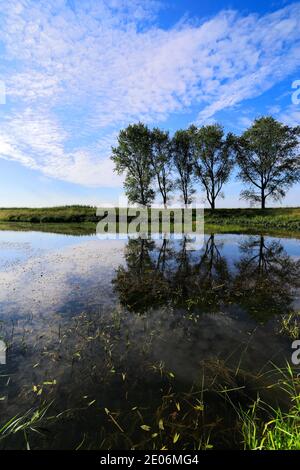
45	215
287	218
283	219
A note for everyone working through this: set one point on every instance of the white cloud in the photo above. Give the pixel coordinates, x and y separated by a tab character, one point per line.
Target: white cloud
29	133
290	116
111	63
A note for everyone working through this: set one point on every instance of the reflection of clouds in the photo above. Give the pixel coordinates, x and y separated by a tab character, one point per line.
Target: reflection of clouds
36	293
39	293
228	337
164	336
43	284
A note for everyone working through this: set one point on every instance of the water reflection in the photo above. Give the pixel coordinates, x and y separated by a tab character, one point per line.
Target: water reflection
142	282
66	316
267	278
262	281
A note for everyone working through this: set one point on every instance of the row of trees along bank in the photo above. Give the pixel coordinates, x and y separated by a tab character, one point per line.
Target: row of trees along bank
266	156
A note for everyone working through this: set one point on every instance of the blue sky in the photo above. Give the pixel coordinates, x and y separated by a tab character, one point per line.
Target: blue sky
77	71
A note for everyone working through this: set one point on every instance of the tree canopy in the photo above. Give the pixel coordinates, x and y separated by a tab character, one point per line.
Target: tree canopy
267	155
132	156
213	159
268	158
161	161
183	158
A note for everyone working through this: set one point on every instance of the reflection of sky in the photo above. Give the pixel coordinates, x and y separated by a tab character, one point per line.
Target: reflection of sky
42	240
47	272
291	246
62	276
229	246
42	273
17	247
20	246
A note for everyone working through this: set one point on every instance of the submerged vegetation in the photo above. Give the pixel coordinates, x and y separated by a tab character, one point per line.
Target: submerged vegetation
170	366
290	325
121	397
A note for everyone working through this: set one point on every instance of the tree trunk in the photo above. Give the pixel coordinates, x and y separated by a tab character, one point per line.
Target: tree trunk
213	205
263	199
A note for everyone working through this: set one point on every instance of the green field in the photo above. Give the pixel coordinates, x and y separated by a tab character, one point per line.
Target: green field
233	220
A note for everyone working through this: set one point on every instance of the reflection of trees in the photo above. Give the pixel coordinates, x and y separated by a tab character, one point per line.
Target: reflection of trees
203	285
154	277
261	282
266	278
141	284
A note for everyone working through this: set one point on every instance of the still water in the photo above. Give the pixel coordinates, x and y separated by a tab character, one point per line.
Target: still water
102	335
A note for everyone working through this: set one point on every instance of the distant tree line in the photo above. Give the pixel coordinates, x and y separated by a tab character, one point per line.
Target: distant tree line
266	156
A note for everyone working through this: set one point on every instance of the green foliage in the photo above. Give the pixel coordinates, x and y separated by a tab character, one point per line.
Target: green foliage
286	219
265	427
268	159
30	421
267	155
183	157
161	161
45	215
213	159
132	156
290	325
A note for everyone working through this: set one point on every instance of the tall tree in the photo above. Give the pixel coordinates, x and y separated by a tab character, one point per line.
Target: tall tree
183	158
161	161
268	159
213	160
132	156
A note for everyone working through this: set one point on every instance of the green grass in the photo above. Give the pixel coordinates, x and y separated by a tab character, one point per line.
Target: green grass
265	427
178	422
28	422
290	325
45	215
280	219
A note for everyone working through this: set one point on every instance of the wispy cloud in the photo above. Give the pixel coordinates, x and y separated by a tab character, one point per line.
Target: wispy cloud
290	116
76	72
38	141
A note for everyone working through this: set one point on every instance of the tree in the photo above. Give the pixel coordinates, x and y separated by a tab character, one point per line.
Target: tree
161	161
132	156
268	159
183	158
213	160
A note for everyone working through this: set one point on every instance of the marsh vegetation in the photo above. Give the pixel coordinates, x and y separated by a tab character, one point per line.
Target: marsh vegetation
148	345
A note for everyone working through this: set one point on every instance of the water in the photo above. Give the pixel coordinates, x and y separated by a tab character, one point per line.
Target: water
94	325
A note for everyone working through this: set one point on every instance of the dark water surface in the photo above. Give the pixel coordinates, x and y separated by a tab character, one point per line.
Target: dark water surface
105	335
